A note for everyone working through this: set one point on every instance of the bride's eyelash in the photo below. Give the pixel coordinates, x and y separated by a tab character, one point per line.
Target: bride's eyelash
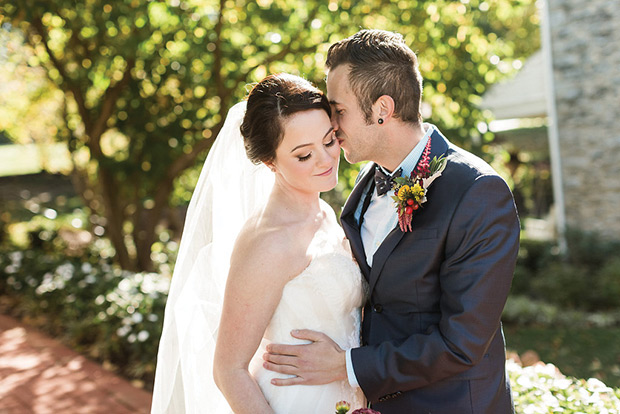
307	157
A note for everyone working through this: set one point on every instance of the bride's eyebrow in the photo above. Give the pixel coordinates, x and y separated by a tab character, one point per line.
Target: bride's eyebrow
305	145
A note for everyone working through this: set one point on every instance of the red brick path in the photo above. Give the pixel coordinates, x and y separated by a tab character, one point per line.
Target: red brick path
38	375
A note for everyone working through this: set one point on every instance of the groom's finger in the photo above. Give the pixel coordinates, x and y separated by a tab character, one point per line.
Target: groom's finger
288	381
280	349
309	335
281	369
280	359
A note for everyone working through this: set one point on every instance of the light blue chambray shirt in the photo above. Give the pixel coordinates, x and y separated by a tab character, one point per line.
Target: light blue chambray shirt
378	223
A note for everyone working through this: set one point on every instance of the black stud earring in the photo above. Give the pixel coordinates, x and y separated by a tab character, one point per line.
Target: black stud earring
380	121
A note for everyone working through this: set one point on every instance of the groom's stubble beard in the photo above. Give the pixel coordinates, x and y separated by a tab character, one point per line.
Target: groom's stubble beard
347	154
351	153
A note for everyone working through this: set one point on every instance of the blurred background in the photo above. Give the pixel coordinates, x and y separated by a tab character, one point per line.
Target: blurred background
108	109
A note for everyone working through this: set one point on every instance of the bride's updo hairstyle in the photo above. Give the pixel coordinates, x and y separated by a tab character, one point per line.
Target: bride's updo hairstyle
270	103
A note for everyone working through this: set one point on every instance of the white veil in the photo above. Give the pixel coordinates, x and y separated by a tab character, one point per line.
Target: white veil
229	190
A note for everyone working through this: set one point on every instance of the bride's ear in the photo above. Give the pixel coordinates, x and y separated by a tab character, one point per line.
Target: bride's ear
271	166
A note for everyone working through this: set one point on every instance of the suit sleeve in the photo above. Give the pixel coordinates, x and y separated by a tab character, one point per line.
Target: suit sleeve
481	247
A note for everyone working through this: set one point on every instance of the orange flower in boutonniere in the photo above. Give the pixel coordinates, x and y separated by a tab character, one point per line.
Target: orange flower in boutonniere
410	192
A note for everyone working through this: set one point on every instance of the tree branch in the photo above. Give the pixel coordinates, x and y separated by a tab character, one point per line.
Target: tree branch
186	160
68	85
107	109
282	53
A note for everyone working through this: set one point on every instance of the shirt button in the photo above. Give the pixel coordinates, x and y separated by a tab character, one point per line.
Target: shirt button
378	308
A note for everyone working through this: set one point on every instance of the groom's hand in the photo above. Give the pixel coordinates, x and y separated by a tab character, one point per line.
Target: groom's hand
319	362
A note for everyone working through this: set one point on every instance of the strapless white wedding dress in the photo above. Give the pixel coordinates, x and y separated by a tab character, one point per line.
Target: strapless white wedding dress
326	297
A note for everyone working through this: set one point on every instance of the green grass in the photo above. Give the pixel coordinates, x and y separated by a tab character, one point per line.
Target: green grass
581	353
32	158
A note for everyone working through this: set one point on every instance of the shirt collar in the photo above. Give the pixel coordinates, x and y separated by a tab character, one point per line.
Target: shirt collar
411	160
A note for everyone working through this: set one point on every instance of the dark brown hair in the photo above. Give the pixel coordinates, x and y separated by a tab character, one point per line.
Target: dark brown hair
381	64
270	102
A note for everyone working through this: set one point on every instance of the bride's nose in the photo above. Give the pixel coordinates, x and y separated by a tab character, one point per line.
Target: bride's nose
324	159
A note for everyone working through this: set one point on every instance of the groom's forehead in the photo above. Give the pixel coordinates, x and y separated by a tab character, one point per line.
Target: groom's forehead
337	84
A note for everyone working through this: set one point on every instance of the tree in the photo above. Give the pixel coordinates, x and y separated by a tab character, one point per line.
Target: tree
146	84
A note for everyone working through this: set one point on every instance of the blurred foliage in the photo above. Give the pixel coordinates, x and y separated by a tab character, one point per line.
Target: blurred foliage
141	88
587	279
521	310
26	93
521	156
543	389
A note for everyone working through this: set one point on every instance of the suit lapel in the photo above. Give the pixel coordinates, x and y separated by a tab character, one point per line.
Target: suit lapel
349	223
439	146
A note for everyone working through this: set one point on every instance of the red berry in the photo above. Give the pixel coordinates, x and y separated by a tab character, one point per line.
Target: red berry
409	210
410	201
416	206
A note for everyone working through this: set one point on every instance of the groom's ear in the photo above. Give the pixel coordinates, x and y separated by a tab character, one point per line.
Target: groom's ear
383	108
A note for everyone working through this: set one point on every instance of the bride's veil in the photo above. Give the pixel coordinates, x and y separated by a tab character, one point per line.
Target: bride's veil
229	190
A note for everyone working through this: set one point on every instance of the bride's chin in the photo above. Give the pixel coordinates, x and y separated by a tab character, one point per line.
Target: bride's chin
329	186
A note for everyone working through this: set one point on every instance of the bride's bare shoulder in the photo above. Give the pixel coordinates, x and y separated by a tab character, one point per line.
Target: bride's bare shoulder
265	244
261	231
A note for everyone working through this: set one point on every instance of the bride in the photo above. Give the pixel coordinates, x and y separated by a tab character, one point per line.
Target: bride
261	254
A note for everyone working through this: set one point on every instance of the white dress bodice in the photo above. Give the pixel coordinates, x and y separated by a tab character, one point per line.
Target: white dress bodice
326	297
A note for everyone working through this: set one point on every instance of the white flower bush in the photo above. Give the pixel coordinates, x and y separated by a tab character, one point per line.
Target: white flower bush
542	389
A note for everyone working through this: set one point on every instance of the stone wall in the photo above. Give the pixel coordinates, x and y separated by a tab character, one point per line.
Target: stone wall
585	38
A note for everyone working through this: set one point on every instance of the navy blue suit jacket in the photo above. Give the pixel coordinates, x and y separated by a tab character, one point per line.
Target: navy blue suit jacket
431	335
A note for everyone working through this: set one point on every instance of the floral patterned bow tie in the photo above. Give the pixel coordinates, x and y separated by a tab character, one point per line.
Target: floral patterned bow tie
383	181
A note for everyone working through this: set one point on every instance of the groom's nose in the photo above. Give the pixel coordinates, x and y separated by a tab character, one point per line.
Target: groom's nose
334	121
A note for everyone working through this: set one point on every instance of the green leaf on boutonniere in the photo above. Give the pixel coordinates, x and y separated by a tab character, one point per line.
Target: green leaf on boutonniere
437	164
401	180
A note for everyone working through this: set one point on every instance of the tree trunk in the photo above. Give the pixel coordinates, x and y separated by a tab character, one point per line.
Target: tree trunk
148	222
115	218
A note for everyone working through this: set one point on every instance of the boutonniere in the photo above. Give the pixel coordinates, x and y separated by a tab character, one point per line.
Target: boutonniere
410	192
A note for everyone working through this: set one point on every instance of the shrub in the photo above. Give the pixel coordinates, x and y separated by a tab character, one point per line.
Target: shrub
94	307
587	278
564	285
523	310
589	249
543	389
608	294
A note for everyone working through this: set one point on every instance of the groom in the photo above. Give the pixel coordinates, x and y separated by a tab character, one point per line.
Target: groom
432	340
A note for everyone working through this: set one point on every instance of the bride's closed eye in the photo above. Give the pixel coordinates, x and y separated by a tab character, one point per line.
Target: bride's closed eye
330	143
305	157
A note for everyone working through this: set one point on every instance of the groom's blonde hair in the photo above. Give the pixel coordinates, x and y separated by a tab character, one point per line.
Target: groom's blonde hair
380	64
